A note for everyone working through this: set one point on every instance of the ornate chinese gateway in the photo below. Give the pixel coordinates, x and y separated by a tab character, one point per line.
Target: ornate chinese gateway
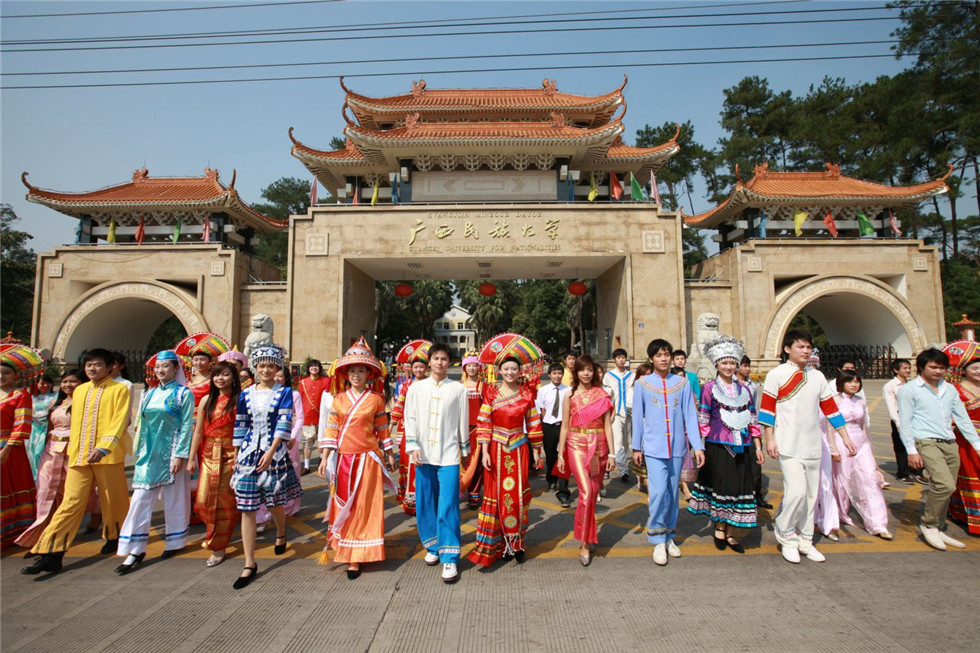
490	184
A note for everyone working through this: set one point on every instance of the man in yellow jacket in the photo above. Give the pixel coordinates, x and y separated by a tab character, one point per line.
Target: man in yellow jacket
96	454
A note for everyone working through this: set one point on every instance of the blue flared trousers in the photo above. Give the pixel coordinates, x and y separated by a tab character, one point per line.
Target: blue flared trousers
437	510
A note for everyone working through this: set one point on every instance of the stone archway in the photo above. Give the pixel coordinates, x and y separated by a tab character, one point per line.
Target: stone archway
850	308
123	315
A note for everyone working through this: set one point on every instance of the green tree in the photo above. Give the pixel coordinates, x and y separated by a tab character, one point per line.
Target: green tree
16	276
491	314
430	299
539	315
284	197
961	278
393	320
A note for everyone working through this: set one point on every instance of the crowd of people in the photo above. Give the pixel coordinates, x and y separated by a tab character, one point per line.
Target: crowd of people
228	447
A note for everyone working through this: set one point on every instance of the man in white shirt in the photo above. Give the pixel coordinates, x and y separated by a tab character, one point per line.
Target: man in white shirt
902	369
618	383
549	404
437	437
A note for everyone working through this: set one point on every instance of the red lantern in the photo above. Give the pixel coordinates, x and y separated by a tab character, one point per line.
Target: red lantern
403	290
487	289
577	288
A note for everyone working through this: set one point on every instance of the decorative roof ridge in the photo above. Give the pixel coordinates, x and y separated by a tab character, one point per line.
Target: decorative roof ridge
412	123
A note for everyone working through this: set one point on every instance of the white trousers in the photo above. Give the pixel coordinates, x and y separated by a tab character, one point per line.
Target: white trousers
135	531
622	432
794	523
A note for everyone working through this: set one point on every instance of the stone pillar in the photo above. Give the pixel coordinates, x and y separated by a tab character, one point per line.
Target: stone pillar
357	317
613	314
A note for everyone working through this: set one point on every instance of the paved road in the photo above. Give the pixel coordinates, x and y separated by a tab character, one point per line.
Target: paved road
869	595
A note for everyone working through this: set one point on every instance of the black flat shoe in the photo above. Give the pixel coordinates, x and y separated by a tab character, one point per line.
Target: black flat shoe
124	569
353	573
280	548
735	545
762	503
110	546
243	581
519	556
49	562
169	553
720	542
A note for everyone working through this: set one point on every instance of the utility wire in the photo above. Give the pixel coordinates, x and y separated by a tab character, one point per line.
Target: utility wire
478	33
623	66
448	58
170	9
492	22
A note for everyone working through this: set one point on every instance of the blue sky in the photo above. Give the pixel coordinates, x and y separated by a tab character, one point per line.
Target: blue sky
80	139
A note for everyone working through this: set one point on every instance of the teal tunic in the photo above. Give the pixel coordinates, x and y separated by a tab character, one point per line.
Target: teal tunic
43	404
166	423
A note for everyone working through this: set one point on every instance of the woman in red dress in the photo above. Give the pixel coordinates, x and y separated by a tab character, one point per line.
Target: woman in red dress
17	490
508	426
585	443
472	475
964	505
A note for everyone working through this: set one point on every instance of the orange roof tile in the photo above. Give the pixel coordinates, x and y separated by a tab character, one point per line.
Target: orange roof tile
205	192
828	187
485	131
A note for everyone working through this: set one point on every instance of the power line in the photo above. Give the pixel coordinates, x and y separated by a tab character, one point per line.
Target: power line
170	9
508	21
478	33
448	58
623	66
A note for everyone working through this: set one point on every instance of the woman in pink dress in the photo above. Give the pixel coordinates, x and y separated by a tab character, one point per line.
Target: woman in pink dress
585	442
856	477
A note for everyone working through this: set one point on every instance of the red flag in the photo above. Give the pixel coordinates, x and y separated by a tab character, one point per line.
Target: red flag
894	225
206	236
357	192
615	188
313	193
830	224
140	232
654	193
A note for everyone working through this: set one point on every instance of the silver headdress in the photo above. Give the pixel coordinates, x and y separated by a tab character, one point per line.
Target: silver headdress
268	353
723	346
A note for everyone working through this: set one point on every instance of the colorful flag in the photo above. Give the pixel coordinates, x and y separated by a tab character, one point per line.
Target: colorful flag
893	223
206	236
314	197
177	230
636	191
394	188
798	219
593	189
654	193
828	220
763	222
141	231
615	188
112	231
374	194
357	191
864	225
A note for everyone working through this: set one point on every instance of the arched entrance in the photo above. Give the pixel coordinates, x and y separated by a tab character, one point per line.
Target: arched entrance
123	316
854	309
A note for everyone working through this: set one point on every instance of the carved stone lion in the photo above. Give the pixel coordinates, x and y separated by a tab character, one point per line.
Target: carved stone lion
707	329
262	331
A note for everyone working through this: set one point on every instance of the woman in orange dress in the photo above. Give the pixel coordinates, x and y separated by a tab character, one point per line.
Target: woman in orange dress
508	422
585	442
213	449
357	429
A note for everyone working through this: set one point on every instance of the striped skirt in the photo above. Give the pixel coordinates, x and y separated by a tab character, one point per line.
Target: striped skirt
215	500
964	505
725	487
17	496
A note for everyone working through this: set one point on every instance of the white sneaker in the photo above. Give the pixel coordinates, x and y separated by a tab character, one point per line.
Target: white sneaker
948	541
672	550
790	554
815	555
660	554
449	572
932	537
431	559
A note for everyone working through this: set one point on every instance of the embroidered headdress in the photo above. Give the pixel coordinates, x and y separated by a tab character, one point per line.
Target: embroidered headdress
270	353
22	359
206	343
514	345
416	350
721	347
358	354
961	353
472	356
169	355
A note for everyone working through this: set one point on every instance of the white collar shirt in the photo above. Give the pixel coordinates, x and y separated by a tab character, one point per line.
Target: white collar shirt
437	421
547	396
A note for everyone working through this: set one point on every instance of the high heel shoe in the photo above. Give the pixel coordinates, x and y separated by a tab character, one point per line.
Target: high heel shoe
243	581
280	548
124	569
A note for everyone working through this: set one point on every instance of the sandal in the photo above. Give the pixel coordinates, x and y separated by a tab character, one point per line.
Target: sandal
243	581
734	545
215	559
280	548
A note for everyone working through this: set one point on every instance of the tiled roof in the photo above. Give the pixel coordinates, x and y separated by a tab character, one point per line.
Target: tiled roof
485	131
828	187
205	192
